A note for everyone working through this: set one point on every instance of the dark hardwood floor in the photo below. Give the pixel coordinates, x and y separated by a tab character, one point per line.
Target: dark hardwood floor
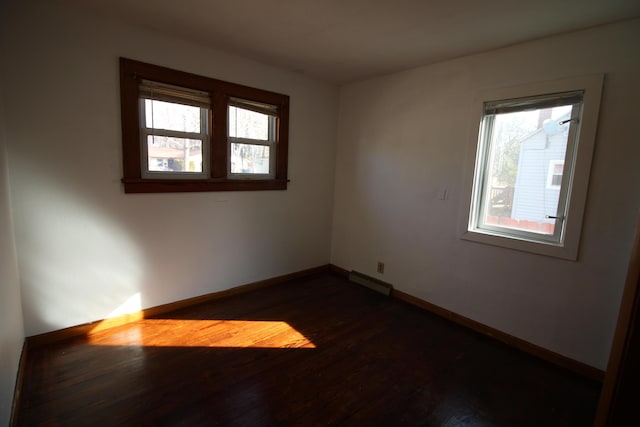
318	351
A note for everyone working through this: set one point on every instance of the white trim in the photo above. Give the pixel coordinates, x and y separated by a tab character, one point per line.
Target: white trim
202	136
572	215
270	142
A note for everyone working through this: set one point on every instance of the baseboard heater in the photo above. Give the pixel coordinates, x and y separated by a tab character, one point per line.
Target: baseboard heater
371	283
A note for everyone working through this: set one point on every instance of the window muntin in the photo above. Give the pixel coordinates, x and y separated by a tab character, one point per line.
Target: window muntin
518	137
177	137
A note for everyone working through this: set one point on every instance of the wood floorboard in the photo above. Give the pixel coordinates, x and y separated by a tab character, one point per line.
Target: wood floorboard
315	351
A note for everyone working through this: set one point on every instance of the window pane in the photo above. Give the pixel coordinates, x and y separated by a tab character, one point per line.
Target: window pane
247	158
167	154
172	116
522	145
248	124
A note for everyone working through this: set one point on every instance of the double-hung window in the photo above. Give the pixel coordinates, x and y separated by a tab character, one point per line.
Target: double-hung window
252	138
174	131
184	132
533	156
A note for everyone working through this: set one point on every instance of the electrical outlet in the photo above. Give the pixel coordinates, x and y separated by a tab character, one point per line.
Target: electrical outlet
380	267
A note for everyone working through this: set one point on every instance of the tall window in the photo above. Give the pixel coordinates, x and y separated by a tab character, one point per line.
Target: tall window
183	132
518	137
532	168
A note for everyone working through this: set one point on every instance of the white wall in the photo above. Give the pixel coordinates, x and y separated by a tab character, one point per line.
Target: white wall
84	247
405	137
11	325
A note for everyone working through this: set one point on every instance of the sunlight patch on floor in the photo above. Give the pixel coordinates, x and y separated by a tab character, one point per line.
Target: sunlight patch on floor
204	333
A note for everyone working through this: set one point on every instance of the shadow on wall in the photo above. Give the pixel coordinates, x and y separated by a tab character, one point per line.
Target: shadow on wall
76	264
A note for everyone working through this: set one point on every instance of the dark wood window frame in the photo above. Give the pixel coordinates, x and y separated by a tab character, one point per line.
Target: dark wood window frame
131	74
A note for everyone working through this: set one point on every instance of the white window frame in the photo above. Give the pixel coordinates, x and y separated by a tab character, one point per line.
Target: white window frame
483	163
565	241
271	112
181	96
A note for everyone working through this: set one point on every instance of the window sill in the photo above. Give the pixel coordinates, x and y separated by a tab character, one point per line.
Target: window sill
201	185
554	250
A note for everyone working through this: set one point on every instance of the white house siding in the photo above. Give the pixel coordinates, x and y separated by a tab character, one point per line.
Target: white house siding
536	153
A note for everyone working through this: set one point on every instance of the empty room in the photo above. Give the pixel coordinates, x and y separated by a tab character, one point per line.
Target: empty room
279	212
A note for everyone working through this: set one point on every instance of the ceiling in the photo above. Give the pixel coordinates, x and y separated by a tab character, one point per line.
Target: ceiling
342	41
